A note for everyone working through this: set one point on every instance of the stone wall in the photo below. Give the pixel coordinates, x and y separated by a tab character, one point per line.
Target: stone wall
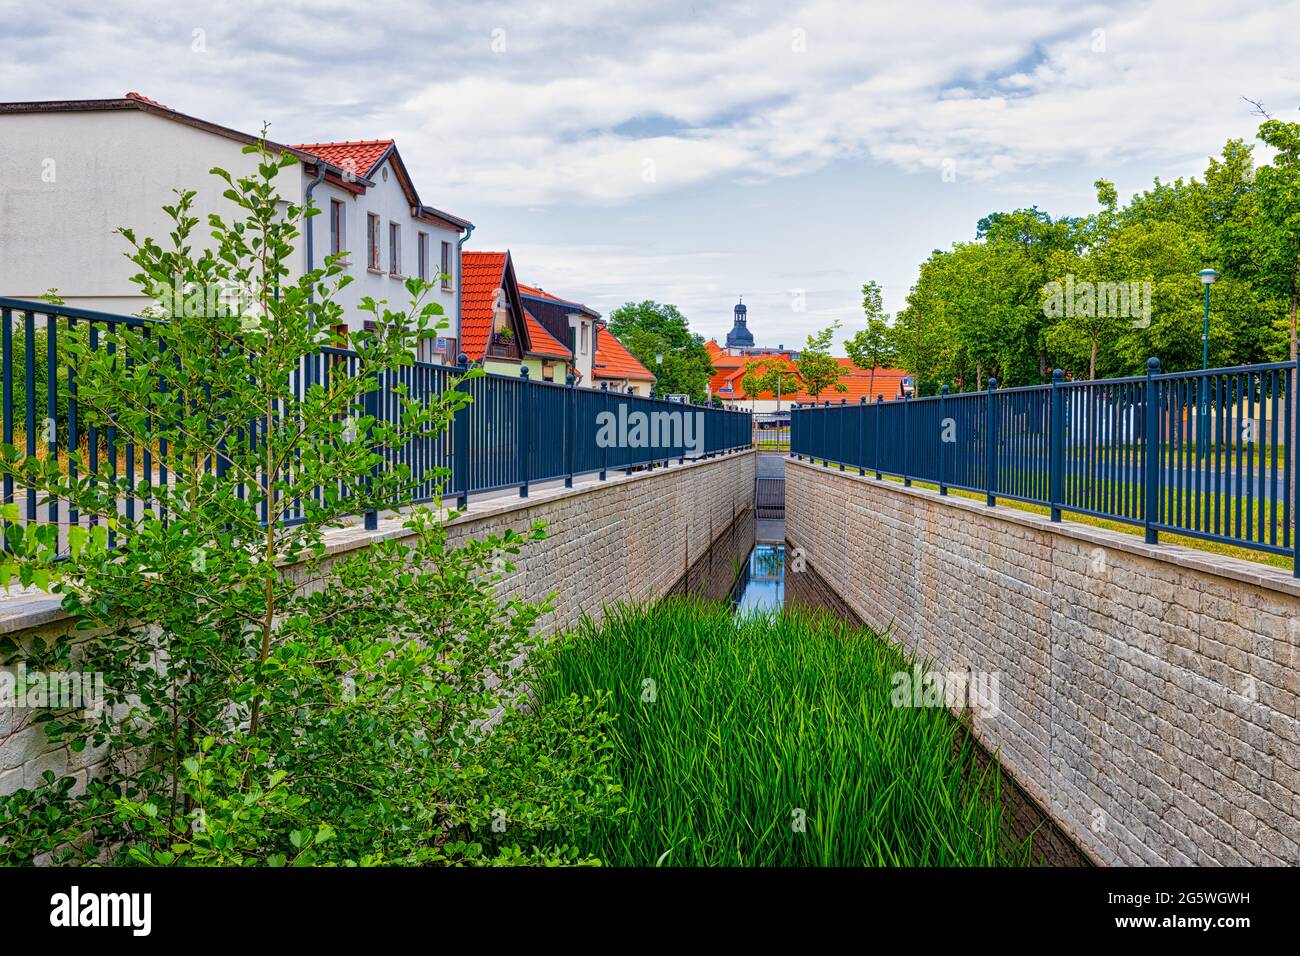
1147	693
628	538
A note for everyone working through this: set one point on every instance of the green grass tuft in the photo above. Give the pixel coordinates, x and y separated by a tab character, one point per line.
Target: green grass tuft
757	718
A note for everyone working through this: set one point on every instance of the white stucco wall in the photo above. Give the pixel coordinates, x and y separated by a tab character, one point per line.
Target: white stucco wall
72	179
387	200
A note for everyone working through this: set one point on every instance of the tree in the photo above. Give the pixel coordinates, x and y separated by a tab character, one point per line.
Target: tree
873	347
648	329
331	715
780	380
817	369
768	376
753	381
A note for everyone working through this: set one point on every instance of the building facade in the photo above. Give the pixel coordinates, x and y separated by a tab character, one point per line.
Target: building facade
79	170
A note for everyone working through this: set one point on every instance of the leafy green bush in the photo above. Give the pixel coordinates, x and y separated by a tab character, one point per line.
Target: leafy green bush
771	740
331	712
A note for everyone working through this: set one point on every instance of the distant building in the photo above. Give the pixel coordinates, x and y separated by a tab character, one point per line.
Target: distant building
740	337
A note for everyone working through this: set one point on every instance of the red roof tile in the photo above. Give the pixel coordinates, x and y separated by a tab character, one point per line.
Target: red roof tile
543	342
615	361
358	156
140	97
481	274
857	383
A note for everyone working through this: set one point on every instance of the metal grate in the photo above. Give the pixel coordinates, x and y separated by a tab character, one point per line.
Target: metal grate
769	497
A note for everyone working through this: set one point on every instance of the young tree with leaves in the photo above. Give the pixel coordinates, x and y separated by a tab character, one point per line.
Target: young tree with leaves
817	369
873	347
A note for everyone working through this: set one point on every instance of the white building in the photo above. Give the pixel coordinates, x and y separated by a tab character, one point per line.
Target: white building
75	171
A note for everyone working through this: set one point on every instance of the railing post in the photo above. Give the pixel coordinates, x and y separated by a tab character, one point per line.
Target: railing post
570	427
943	440
524	426
862	434
370	407
628	447
793	406
460	441
1292	459
875	437
991	445
1151	457
839	432
604	407
907	480
826	443
1056	445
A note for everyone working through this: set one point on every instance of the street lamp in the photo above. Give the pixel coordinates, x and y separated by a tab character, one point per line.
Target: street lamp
1207	279
659	371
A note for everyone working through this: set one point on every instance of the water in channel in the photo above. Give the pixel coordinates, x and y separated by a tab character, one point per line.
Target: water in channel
761	585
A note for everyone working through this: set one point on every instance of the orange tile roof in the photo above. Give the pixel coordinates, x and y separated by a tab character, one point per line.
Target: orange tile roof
541	341
613	360
359	156
481	274
857	384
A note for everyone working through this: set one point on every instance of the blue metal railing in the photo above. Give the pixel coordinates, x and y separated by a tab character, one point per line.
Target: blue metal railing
1205	454
513	433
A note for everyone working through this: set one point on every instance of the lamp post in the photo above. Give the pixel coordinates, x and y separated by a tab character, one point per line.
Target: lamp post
659	371
1207	279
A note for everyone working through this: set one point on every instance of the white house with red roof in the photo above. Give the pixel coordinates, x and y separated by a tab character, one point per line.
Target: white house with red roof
77	170
372	214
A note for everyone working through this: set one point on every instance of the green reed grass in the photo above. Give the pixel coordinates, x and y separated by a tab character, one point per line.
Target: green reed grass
750	720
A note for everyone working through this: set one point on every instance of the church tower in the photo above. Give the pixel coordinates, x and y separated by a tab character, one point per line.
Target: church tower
740	337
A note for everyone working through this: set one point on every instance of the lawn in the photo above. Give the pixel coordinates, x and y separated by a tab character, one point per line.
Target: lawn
772	740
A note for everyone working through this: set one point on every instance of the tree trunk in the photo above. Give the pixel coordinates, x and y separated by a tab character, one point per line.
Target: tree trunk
1092	360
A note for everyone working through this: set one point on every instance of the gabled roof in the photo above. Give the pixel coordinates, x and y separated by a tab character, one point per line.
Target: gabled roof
543	343
363	157
615	361
481	274
534	292
138	101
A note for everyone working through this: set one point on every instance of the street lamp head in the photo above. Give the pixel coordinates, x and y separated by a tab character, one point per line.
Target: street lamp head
659	358
1208	275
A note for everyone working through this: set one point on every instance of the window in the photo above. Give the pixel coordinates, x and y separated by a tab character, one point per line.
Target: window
338	227
584	338
548	371
422	254
394	249
446	265
372	241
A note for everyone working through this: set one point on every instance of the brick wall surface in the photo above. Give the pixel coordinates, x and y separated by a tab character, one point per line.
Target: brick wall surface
628	538
1147	693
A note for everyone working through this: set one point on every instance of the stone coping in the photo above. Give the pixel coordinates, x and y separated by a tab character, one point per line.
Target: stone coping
25	608
1181	556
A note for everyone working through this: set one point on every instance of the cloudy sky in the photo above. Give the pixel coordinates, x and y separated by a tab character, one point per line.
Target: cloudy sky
691	152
